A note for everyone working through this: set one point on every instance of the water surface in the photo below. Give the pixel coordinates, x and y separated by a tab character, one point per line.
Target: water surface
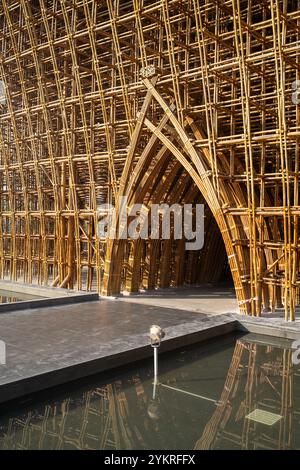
204	399
7	296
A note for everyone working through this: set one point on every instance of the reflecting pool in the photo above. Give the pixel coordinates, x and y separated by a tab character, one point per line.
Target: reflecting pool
7	296
229	393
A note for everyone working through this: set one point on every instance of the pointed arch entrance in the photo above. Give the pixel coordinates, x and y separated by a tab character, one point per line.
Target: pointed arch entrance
175	164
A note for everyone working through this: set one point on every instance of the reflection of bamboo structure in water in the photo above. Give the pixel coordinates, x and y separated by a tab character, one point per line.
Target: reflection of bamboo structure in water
63	426
121	415
118	412
258	369
7	299
249	399
100	419
212	427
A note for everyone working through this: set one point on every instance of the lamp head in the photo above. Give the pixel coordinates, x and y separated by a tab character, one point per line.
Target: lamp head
156	335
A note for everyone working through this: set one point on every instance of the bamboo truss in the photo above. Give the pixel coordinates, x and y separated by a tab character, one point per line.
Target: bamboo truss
175	101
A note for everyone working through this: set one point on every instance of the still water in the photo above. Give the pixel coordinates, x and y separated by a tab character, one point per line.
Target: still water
7	296
229	393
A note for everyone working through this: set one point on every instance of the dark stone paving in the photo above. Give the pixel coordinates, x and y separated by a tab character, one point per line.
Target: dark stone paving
50	346
54	345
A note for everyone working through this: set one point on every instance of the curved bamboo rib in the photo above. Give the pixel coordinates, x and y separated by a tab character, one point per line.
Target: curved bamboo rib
162	101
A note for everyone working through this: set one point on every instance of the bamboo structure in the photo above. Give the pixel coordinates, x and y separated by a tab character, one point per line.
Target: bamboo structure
161	101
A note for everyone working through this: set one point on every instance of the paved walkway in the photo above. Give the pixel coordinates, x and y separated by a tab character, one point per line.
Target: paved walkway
201	299
53	345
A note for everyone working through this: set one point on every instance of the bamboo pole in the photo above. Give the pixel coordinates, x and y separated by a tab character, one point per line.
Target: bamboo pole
106	99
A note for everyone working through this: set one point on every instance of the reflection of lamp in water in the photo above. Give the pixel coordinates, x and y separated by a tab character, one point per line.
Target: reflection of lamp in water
153	410
156	335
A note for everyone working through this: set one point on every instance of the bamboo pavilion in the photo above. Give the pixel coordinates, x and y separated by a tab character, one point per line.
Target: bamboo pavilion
161	101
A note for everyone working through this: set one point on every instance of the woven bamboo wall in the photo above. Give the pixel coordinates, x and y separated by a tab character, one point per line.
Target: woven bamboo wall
161	101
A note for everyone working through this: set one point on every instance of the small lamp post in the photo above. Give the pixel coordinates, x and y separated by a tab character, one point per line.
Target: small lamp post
156	335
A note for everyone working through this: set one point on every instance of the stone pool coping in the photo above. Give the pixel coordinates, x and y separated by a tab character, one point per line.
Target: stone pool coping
270	326
51	296
53	346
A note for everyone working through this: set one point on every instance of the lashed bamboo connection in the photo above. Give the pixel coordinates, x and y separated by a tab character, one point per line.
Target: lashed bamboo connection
166	101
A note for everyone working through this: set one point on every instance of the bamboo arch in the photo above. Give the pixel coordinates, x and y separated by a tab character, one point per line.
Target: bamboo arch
195	165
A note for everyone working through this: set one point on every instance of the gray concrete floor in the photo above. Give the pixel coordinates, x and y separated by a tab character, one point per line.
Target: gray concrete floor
207	299
53	345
